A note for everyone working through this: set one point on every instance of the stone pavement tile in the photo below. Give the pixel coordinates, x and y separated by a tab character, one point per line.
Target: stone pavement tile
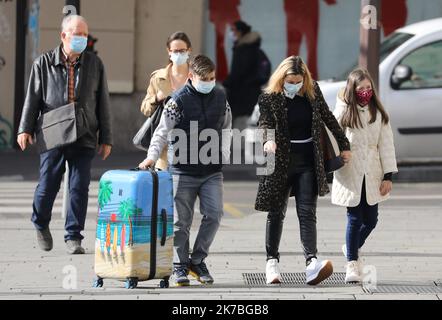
35	297
379	296
400	249
292	297
263	297
170	297
328	296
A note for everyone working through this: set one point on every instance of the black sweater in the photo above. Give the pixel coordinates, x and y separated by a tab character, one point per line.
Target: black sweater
299	114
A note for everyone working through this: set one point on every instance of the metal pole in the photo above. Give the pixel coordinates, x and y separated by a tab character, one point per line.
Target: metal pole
64	208
20	63
370	37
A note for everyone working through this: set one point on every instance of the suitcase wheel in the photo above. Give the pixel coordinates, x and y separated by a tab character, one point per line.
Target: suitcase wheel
131	283
98	283
164	283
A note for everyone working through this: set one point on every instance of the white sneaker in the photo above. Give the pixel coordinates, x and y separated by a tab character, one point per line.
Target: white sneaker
352	274
317	271
273	274
360	264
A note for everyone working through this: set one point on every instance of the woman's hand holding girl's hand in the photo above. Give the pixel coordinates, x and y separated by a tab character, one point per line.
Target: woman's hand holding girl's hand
346	156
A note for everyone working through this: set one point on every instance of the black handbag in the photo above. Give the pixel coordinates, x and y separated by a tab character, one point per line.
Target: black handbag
64	125
143	137
332	159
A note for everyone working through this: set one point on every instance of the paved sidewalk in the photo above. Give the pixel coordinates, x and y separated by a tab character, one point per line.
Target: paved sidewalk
405	249
19	166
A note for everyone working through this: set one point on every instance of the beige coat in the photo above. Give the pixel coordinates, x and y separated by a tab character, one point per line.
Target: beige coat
373	155
160	80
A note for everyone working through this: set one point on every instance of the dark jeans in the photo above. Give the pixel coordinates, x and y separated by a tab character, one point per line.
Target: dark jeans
361	222
302	182
52	168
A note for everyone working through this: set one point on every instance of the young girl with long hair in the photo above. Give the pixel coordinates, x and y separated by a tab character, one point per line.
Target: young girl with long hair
367	179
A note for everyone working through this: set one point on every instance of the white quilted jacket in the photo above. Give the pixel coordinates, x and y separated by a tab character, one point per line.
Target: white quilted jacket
373	155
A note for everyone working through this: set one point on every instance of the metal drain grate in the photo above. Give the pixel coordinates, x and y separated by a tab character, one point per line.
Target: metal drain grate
416	289
259	279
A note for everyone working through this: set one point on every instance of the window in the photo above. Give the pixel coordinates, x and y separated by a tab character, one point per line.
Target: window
390	44
426	66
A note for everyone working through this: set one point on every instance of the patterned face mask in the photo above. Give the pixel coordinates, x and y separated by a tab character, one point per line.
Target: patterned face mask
364	96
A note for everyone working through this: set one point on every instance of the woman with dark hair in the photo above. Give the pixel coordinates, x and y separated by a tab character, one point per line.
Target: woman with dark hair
243	84
293	115
367	179
165	81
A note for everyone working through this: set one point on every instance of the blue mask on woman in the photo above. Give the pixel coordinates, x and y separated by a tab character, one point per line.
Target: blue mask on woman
291	89
78	44
205	87
179	58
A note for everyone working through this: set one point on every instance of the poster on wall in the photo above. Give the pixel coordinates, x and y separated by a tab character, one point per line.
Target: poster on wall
7	72
324	32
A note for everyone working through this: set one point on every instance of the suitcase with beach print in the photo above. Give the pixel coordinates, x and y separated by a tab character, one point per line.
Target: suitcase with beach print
134	238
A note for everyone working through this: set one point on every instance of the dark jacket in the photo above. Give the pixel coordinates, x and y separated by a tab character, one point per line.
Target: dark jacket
243	83
208	111
48	90
271	191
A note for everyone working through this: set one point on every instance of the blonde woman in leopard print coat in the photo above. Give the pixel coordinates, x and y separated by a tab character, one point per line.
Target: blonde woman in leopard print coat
294	108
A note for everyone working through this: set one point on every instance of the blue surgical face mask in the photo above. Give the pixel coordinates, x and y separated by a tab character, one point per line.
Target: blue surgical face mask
179	58
204	87
291	89
78	44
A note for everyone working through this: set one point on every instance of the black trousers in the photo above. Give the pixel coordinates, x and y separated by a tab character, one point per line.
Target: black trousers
303	183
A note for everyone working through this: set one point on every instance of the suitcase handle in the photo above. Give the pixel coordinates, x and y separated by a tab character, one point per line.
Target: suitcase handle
164	219
149	169
154	228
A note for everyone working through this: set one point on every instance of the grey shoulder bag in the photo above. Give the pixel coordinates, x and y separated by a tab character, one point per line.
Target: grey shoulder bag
66	124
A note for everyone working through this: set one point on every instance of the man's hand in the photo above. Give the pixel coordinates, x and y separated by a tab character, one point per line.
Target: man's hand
104	151
346	156
386	187
24	139
146	164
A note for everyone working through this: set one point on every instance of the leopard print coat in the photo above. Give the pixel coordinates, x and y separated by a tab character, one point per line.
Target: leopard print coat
271	191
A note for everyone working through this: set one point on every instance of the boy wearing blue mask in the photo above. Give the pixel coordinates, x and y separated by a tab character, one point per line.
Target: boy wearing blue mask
199	106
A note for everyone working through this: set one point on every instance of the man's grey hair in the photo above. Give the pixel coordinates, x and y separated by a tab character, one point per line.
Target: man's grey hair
68	19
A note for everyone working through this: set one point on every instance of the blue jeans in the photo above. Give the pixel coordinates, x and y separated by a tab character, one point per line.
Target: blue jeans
361	222
186	189
52	168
